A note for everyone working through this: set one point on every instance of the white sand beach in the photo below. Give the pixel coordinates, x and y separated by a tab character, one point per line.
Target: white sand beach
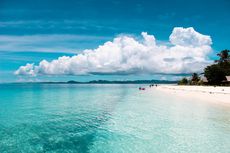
218	94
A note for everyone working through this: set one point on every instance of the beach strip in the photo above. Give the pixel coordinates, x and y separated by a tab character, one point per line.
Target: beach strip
218	94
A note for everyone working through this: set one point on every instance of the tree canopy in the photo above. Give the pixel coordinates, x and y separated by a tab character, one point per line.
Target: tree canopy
215	73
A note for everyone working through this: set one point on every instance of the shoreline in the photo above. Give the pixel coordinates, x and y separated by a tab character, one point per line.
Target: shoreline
219	95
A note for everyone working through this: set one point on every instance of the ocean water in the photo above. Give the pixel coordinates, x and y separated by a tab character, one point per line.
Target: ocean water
65	118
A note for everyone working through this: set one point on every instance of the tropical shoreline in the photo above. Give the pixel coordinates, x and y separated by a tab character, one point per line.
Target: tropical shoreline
218	94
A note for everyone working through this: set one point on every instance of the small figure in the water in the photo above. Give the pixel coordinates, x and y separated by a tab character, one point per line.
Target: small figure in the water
141	88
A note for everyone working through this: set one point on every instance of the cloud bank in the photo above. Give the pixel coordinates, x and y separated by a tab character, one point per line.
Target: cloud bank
187	53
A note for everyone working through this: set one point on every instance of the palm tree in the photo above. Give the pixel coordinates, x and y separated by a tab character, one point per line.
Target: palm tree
195	77
224	56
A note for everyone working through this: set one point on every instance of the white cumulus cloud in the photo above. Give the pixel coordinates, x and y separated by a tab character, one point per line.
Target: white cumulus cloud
189	37
187	53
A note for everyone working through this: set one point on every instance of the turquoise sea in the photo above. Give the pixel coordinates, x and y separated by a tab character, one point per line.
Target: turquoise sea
71	118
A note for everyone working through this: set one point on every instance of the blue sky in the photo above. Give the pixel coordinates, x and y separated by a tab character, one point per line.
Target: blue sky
31	31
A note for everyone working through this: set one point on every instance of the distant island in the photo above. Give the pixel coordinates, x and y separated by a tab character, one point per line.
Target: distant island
127	82
112	82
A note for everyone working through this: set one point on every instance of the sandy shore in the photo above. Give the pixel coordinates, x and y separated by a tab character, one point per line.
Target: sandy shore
206	93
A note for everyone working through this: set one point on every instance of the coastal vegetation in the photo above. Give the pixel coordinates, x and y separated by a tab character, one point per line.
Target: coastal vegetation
183	81
215	74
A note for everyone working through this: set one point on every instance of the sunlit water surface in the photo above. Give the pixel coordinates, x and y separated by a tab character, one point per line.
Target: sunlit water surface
108	118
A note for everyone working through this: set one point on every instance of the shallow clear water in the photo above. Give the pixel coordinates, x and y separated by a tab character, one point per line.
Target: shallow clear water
108	118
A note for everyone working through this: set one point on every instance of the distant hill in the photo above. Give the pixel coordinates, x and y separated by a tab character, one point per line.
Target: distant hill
124	82
106	82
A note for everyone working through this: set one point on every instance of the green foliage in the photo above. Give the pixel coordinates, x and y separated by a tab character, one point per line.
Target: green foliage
195	79
224	56
225	66
216	73
183	81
